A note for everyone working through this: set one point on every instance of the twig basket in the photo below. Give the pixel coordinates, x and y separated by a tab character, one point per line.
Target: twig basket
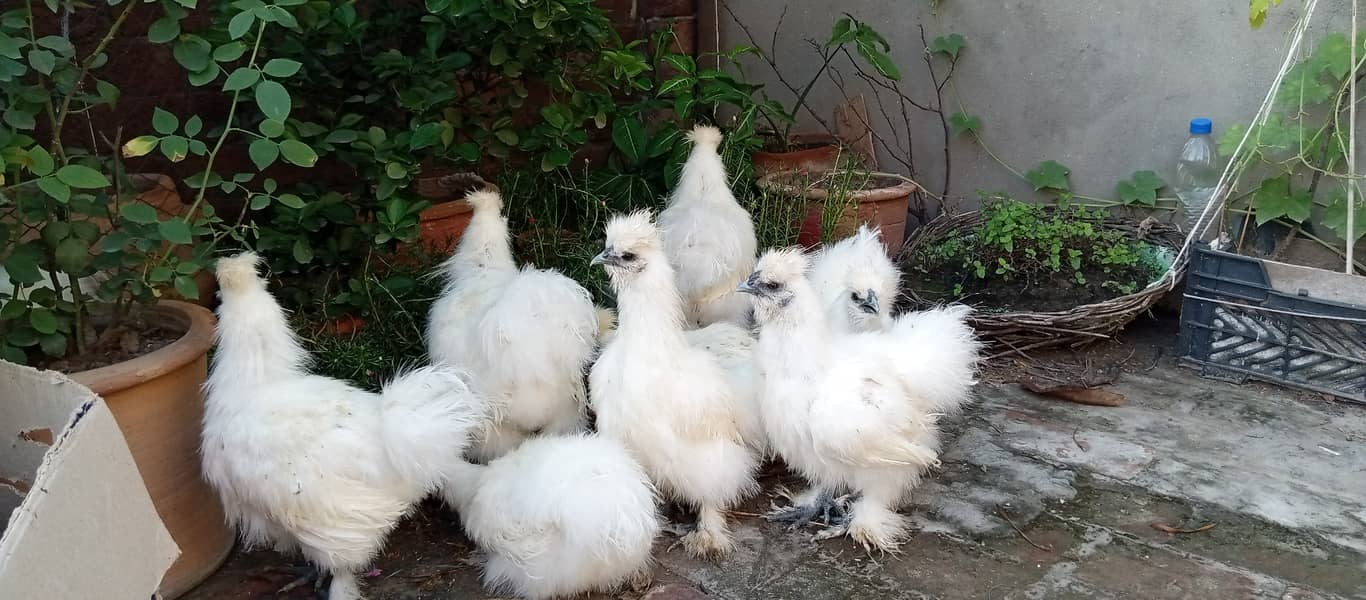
1018	332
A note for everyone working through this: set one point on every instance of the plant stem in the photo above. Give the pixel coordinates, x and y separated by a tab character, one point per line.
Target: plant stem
62	113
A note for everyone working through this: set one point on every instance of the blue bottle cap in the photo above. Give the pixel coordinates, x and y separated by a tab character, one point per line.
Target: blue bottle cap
1201	126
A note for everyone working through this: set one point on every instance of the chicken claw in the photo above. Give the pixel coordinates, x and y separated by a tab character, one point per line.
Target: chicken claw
807	506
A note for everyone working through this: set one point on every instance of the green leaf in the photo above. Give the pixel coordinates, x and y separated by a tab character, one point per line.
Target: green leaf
841	33
42	61
498	54
193	53
298	153
291	201
1276	199
59	44
677	83
1256	14
73	255
263	153
271	128
1049	175
628	135
241	79
59	191
949	44
1335	216
1228	142
204	77
395	171
115	241
282	67
53	344
163	30
22	264
303	252
1333	57
141	214
229	52
1141	189
507	136
240	24
164	122
12	354
42	320
555	159
880	61
108	93
273	100
175	147
82	177
41	162
19	119
962	123
425	136
193	126
186	287
175	230
140	146
160	274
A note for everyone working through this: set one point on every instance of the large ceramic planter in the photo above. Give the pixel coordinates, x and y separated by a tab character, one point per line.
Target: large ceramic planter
814	152
879	199
158	403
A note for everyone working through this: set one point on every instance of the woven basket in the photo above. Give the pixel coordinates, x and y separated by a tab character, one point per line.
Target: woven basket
1018	332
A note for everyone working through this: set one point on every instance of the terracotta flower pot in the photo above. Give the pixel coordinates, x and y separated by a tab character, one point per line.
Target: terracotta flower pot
879	199
812	152
442	224
157	400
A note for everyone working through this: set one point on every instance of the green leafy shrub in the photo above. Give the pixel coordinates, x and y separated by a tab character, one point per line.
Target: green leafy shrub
1035	257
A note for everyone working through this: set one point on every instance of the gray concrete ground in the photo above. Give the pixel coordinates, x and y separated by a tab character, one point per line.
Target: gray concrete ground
1037	498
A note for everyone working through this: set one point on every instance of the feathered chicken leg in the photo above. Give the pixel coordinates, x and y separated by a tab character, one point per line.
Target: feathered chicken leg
712	536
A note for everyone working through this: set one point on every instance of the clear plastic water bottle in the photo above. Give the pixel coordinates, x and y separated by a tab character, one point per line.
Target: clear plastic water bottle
1197	171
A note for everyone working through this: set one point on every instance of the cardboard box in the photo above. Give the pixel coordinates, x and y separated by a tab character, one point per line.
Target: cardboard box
80	523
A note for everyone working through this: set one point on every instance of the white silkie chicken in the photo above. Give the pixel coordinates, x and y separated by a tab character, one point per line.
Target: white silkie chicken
708	237
856	282
559	516
860	411
525	335
311	463
673	405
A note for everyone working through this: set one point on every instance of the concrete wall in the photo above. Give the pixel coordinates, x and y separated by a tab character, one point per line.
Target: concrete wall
1104	87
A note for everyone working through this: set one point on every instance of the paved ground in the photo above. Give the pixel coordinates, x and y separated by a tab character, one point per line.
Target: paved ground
1037	498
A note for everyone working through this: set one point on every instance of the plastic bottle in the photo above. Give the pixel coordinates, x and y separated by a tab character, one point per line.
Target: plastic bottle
1197	171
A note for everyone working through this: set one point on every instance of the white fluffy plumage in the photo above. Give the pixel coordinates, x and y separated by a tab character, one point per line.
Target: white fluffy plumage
671	404
860	411
311	463
559	516
708	237
856	282
525	335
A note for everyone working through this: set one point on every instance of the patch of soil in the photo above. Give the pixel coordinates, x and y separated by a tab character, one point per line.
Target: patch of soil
1050	294
140	333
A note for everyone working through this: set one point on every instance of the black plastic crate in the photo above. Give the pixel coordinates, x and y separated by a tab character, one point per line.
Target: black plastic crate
1249	318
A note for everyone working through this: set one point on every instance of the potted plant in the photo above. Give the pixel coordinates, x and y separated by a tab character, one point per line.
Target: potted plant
838	200
1249	311
91	255
442	223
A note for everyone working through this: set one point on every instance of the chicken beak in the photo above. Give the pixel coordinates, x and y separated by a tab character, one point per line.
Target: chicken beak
869	303
606	257
748	286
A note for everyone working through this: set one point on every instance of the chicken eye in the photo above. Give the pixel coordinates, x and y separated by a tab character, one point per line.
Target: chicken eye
628	256
853	296
771	285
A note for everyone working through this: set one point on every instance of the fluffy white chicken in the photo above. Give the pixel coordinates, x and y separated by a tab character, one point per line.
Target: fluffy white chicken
311	463
859	411
524	335
856	282
672	404
559	516
708	237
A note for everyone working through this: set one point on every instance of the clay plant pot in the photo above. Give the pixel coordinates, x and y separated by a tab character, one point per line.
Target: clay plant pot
811	152
158	403
442	224
878	199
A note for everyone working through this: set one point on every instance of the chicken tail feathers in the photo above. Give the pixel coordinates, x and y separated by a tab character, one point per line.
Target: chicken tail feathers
428	418
705	135
938	355
254	342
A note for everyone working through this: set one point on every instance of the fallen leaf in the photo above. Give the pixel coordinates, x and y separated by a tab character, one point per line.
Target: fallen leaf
1169	529
1074	393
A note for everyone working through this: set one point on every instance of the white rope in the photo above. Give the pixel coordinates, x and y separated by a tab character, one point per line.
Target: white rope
1222	188
1352	147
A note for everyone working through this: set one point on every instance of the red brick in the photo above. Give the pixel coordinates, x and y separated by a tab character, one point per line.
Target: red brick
666	8
684	28
621	11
